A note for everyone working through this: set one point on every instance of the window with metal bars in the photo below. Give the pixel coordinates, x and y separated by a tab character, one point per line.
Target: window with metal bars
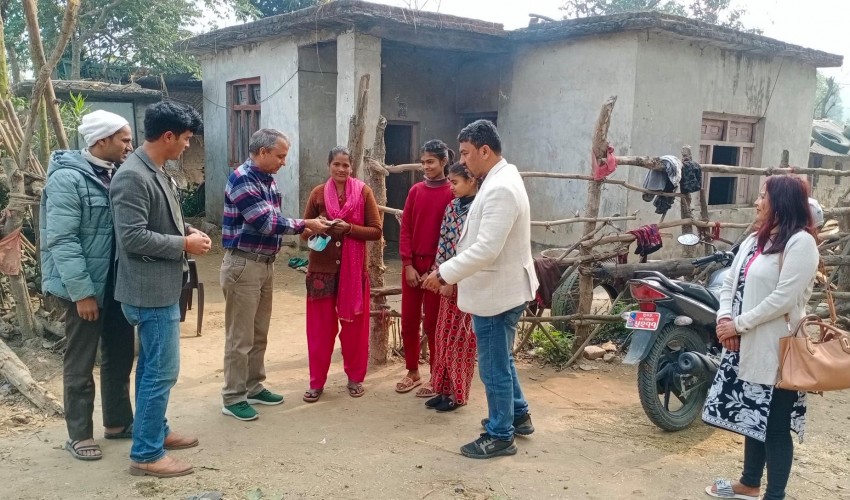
244	100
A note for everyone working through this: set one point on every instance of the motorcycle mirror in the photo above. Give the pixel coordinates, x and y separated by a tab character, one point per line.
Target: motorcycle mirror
688	240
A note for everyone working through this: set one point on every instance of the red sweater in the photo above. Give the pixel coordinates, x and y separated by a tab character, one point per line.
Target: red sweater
420	222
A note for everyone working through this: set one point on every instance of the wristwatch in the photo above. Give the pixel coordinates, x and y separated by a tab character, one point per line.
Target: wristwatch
442	281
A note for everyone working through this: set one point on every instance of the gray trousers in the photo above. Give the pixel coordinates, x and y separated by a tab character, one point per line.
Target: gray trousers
248	287
117	344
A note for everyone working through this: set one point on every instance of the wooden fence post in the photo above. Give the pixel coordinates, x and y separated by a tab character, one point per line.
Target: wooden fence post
379	325
591	210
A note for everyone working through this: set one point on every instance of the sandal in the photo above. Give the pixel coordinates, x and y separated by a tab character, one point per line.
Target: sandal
356	390
407	384
126	433
723	489
312	395
426	392
76	451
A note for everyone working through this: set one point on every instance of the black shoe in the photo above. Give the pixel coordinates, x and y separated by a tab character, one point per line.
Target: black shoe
434	402
447	405
522	425
487	446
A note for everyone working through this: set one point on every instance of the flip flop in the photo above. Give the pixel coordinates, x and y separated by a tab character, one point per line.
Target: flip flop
724	490
75	450
407	384
312	395
127	433
356	390
426	392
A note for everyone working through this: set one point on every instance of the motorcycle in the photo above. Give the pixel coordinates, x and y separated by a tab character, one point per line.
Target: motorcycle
673	340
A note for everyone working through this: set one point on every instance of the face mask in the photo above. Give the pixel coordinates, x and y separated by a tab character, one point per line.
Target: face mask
318	242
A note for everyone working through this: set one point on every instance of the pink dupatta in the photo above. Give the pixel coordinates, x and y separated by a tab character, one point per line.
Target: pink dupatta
351	287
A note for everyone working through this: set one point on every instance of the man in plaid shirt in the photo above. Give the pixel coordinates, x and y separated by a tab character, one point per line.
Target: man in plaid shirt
251	235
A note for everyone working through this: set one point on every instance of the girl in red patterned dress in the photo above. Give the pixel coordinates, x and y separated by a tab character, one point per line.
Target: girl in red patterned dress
454	361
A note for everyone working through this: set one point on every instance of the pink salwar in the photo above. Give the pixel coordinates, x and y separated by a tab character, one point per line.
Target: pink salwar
323	326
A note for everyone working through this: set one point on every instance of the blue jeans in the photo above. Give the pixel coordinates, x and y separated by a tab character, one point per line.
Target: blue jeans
156	373
505	402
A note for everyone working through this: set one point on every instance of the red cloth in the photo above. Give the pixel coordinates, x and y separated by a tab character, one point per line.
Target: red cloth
454	363
10	254
322	329
608	166
418	306
420	222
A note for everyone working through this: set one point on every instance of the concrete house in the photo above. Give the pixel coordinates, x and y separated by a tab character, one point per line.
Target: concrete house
736	98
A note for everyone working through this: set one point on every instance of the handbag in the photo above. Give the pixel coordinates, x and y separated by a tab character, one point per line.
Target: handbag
815	366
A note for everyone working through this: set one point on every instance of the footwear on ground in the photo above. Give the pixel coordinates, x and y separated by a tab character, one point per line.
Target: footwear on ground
487	446
265	397
167	466
240	411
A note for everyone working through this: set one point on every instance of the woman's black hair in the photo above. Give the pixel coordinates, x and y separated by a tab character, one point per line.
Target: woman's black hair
788	200
460	170
338	150
439	149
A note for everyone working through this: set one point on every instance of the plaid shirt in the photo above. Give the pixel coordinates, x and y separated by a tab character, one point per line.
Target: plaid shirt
252	218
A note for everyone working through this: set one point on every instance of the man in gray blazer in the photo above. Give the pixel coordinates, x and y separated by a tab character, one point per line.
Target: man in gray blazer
152	241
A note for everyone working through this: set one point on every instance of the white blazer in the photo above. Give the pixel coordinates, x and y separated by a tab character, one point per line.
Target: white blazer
493	267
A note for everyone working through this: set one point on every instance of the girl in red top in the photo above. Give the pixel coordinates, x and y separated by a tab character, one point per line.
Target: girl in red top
420	232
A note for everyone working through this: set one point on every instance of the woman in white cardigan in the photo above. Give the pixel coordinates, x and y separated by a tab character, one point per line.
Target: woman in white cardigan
771	276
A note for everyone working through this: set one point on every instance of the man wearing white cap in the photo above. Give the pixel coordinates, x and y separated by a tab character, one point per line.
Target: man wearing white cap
77	262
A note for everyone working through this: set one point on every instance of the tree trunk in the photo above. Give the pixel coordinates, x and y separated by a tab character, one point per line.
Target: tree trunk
17	373
14	65
43	84
43	133
76	58
379	325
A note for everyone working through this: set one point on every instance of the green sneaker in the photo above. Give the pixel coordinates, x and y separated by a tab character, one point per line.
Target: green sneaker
265	397
240	411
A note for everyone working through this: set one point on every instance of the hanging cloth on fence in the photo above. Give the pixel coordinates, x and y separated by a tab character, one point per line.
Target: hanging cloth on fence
691	177
666	181
10	253
607	168
549	276
648	240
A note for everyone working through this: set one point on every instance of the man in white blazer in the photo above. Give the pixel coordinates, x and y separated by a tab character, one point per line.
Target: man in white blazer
495	277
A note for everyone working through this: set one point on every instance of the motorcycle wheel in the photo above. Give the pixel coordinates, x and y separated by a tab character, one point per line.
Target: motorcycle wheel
670	399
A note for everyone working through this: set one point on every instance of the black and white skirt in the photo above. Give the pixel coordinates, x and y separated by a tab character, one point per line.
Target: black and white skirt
742	407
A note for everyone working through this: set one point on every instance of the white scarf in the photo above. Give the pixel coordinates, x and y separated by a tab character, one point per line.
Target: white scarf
94	160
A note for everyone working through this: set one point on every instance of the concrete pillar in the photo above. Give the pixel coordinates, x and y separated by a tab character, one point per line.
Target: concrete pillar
357	54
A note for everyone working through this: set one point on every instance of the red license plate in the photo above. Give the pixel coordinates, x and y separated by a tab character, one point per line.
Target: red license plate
643	320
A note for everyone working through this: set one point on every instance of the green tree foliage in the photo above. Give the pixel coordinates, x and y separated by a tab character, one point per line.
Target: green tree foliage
719	12
828	99
268	8
122	34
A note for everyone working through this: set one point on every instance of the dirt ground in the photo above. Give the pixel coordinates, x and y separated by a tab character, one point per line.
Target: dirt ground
592	441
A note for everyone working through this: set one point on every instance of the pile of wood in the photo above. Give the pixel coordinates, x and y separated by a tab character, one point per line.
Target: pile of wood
25	177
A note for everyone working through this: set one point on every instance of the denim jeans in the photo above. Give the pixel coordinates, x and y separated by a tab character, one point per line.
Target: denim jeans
156	373
505	402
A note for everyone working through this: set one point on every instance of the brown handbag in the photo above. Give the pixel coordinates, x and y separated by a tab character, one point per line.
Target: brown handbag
805	365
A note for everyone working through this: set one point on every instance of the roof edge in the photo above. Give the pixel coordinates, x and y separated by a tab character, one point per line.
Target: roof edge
683	26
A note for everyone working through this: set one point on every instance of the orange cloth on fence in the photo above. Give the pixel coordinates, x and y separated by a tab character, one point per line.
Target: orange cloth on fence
10	254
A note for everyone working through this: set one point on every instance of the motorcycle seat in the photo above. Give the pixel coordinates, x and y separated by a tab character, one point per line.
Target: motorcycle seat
700	293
